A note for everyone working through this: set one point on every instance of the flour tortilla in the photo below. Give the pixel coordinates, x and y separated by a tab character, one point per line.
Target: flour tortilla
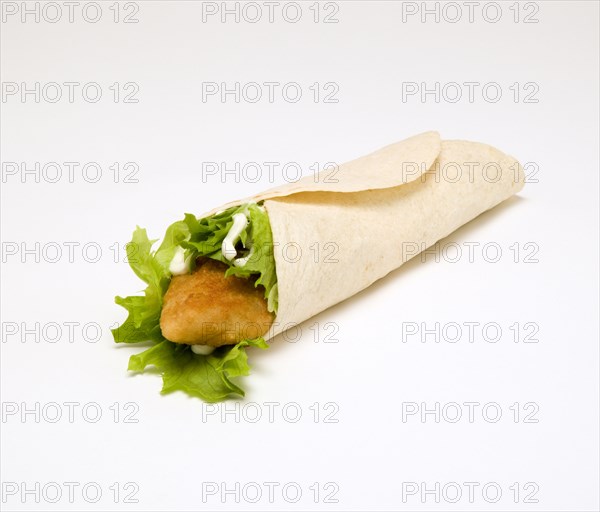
387	167
335	237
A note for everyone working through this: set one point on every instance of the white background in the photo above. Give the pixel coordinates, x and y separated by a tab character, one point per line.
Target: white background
373	369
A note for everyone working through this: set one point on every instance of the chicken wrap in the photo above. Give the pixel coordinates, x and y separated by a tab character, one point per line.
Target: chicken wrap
238	275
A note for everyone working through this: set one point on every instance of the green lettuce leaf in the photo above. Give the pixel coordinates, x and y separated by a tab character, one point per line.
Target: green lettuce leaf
142	323
206	377
262	260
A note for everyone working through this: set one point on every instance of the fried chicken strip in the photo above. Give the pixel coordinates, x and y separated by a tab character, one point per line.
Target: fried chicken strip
207	308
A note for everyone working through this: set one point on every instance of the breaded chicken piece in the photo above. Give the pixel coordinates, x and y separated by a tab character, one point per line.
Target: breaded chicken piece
207	308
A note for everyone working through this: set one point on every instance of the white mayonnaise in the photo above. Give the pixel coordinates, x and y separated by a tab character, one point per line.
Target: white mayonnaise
180	264
202	350
240	262
240	221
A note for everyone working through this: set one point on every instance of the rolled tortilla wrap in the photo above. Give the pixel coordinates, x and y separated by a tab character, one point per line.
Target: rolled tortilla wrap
373	213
